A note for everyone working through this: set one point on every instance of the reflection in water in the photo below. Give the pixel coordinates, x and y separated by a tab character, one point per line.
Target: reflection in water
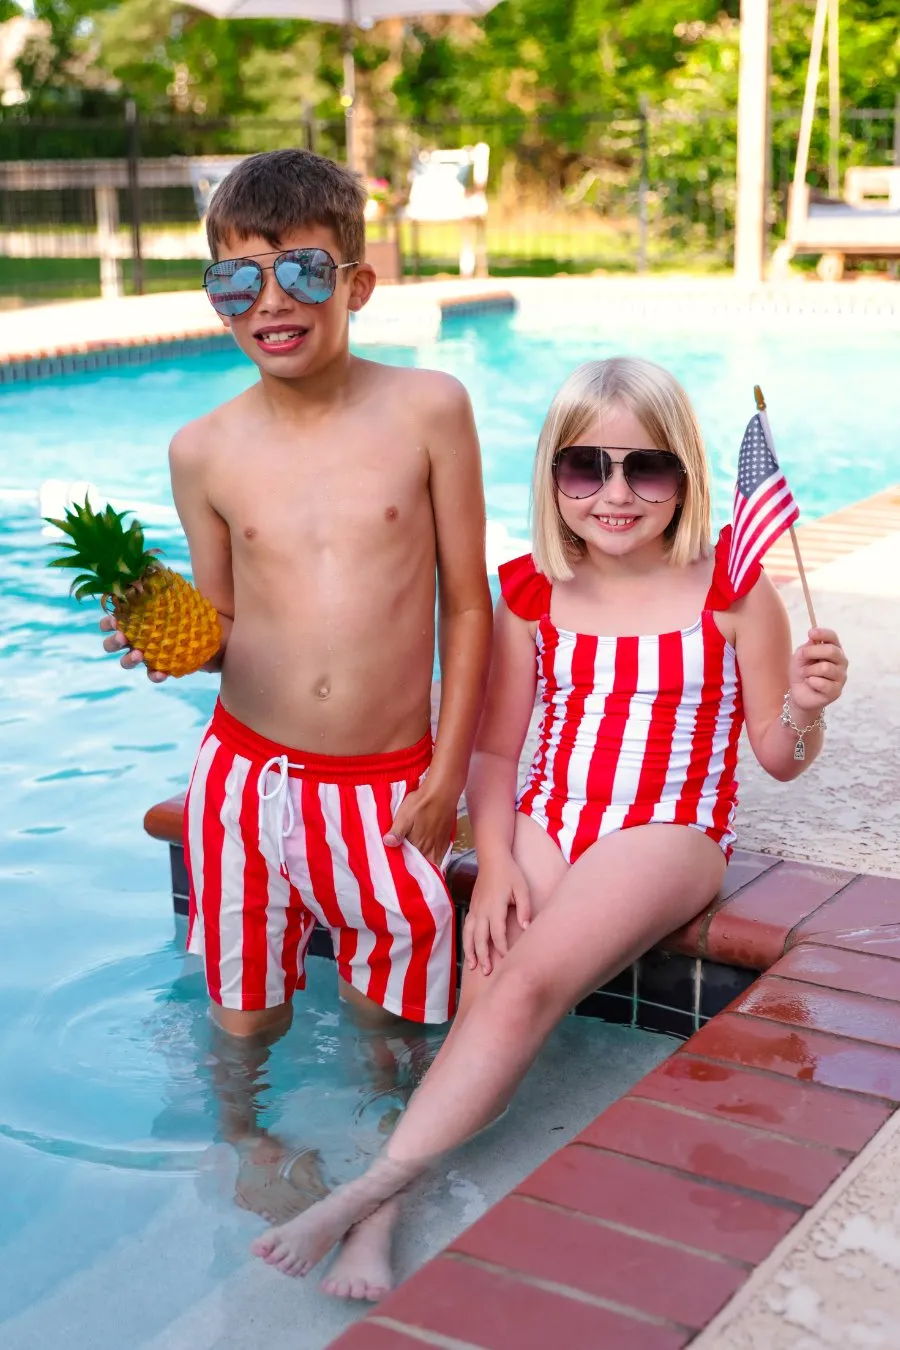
123	1066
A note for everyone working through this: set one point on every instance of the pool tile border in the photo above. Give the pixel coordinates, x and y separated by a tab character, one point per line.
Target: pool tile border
90	356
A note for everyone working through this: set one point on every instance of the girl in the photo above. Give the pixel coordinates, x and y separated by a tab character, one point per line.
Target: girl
623	828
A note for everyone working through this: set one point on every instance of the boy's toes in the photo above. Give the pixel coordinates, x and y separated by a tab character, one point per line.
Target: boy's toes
263	1245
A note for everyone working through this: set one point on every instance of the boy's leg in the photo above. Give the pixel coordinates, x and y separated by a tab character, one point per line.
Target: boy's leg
249	925
625	893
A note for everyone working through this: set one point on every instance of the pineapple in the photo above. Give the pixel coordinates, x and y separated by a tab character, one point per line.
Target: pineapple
160	613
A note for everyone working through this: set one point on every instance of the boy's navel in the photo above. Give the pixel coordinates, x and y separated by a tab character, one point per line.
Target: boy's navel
323	689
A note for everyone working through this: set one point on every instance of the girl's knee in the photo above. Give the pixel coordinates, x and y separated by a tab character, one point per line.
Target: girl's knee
522	993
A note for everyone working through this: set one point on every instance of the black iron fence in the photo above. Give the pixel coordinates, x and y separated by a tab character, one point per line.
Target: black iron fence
648	190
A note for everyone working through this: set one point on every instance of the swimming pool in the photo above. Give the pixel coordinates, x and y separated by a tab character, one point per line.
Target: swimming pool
118	1223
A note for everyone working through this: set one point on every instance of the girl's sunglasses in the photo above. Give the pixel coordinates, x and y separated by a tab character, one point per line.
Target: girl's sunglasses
653	475
305	274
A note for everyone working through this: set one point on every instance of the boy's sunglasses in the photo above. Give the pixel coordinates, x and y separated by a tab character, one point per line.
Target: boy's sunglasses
653	475
305	274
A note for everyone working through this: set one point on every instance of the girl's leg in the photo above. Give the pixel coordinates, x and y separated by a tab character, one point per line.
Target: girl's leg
625	893
362	1268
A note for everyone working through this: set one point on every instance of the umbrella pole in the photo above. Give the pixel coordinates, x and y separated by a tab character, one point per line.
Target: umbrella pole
348	97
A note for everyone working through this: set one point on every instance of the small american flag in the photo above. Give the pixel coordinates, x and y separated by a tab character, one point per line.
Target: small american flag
763	505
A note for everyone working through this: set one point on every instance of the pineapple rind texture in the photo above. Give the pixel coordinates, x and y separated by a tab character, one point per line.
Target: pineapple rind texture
175	627
160	613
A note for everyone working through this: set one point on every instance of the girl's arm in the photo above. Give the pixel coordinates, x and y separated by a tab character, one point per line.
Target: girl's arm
814	676
491	788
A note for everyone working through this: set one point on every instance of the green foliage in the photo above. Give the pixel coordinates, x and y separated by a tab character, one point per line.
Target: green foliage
586	58
108	557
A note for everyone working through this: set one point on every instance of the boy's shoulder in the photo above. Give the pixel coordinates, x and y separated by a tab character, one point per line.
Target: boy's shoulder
432	390
193	442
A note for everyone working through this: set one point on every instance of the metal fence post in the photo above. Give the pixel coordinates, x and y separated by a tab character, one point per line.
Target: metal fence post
134	195
643	185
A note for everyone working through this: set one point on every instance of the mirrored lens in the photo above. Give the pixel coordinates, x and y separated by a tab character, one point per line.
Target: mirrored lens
233	285
653	476
307	275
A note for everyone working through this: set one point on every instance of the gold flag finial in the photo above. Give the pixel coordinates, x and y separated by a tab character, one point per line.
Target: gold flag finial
760	401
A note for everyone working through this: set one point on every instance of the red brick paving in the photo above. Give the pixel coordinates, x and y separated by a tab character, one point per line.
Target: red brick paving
739	1155
783	1106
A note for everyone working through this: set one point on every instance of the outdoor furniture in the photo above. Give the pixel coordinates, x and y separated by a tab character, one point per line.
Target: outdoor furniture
448	186
865	223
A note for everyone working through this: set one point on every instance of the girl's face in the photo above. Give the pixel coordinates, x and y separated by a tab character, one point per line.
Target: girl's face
616	518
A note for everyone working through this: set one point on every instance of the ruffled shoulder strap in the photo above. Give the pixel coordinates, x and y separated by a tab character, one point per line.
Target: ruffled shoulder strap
722	594
525	589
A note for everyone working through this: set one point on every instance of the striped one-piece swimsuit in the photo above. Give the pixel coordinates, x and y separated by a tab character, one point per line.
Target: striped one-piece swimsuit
635	730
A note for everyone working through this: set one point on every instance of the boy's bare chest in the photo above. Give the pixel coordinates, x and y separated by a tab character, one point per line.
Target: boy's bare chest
308	497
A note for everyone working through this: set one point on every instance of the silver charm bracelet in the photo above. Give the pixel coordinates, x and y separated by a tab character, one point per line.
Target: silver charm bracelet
787	720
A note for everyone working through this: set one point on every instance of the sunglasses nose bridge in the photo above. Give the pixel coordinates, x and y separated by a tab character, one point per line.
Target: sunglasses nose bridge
614	480
272	296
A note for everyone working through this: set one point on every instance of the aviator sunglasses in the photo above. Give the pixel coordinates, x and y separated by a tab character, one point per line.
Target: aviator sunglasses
305	274
653	475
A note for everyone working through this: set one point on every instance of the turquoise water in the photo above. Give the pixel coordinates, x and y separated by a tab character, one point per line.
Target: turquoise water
107	1102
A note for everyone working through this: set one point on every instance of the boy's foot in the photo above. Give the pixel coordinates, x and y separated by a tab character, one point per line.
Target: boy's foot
363	1267
278	1185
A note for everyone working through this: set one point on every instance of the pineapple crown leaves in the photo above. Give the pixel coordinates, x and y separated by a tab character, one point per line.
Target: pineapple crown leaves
110	557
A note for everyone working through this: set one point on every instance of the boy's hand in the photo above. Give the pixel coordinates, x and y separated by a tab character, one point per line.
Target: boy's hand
818	672
497	890
427	820
117	642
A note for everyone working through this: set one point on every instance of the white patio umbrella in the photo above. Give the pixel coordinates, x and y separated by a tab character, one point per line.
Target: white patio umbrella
350	15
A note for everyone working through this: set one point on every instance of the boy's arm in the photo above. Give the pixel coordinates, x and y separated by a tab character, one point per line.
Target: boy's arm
208	540
464	612
207	534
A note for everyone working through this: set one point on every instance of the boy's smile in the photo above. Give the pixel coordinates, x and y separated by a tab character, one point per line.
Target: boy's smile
280	338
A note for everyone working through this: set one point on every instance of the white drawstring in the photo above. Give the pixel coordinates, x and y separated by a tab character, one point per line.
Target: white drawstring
282	765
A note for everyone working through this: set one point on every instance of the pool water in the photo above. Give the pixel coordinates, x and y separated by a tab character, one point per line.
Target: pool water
118	1222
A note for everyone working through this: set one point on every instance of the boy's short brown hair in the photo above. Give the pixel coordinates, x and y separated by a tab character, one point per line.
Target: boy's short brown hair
275	193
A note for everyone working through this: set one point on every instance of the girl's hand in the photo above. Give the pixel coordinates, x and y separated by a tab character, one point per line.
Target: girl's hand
818	672
497	890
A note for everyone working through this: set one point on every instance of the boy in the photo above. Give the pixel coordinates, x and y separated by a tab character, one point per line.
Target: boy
318	507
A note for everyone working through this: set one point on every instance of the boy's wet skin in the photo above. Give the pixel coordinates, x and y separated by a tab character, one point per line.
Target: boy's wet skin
318	586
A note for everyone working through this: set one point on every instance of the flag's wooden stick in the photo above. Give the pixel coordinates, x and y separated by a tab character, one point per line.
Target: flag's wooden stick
767	430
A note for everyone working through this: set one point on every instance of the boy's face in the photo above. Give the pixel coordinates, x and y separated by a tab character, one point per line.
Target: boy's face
288	338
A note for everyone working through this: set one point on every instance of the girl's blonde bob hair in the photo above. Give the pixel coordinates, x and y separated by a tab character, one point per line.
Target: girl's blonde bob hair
660	404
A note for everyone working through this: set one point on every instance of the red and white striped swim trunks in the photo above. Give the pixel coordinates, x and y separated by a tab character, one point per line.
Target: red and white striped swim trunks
277	838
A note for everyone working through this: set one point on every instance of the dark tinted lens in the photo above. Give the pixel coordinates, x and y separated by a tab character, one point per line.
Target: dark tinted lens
579	470
654	476
307	274
233	285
